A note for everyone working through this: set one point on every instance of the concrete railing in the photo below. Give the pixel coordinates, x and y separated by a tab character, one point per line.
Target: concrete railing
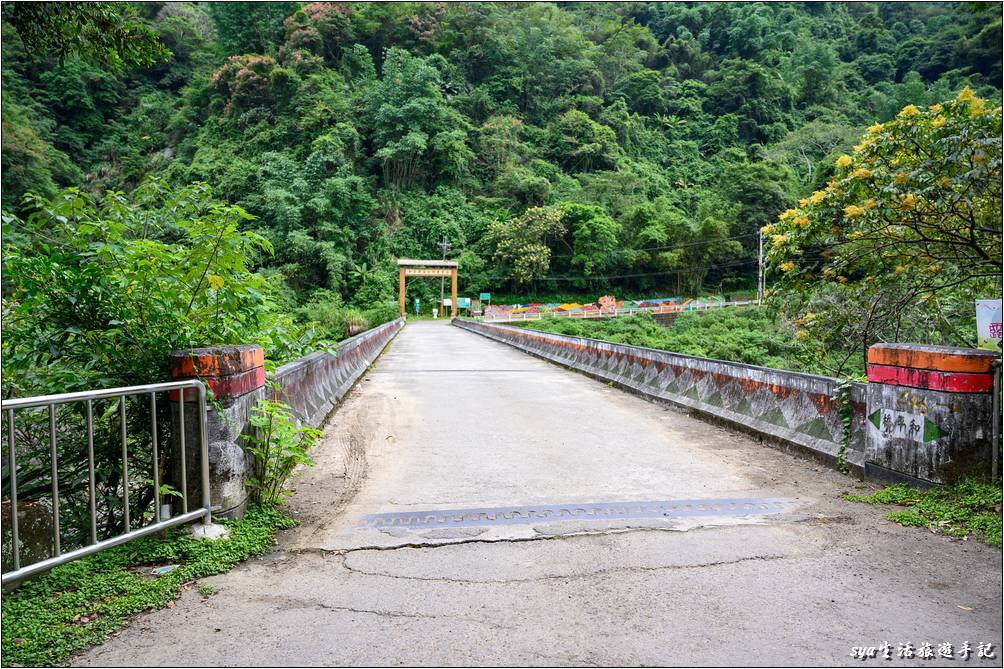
926	416
311	386
314	384
786	407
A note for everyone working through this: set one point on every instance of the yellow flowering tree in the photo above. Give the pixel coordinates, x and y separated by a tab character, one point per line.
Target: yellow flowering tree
906	232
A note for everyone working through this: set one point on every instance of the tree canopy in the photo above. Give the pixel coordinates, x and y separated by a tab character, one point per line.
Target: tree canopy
558	147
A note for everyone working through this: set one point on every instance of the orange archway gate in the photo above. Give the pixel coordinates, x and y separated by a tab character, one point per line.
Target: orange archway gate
442	268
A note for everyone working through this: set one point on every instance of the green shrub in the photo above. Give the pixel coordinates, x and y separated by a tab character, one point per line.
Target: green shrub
278	445
325	311
383	312
98	291
334	321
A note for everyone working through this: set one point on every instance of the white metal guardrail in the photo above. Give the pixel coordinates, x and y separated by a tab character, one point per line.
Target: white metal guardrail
610	313
50	402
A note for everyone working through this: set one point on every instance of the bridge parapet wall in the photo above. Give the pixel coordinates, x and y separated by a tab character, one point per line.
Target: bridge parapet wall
789	409
926	416
311	386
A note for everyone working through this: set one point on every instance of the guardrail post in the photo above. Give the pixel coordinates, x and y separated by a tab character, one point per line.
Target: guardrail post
236	378
930	413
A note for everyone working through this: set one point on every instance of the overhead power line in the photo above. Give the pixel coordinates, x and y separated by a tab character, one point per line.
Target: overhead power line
677	270
674	246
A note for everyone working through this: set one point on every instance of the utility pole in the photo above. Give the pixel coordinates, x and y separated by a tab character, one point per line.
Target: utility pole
759	272
445	246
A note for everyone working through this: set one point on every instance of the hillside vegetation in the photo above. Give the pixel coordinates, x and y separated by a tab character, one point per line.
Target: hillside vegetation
572	148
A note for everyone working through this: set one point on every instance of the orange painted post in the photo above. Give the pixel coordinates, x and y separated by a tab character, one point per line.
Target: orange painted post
930	410
400	290
453	291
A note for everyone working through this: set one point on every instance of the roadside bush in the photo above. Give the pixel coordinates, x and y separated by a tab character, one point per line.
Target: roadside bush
325	311
278	445
98	291
384	312
334	321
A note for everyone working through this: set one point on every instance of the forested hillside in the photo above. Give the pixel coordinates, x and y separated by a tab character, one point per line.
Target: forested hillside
176	174
580	141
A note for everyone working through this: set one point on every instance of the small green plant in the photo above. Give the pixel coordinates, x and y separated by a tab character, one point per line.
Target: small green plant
842	396
205	589
278	445
900	493
968	507
165	490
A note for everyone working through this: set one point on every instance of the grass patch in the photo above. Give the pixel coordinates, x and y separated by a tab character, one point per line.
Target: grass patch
964	509
79	604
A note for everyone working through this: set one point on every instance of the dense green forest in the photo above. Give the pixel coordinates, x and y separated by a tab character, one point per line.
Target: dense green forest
557	147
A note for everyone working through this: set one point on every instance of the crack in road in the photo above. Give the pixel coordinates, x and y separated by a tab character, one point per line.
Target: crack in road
286	602
442	543
541	536
564	577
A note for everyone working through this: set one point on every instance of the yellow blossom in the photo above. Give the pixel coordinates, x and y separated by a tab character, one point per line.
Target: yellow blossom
945	182
976	106
909	110
900	269
870	203
787	266
817	197
966	94
858	148
900	177
803	202
934	268
935	109
861	173
802	221
909	201
844	161
938	122
842	279
801	334
875	129
779	240
767	229
788	213
853	210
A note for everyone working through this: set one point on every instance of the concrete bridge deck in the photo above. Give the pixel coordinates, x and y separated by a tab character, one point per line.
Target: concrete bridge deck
517	557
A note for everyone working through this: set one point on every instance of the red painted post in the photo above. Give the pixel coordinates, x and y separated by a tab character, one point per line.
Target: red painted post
236	377
929	413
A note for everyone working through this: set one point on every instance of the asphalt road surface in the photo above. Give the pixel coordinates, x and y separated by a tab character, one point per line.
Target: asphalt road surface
474	505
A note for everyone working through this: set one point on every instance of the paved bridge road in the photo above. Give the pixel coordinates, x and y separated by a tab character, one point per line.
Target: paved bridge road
475	505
